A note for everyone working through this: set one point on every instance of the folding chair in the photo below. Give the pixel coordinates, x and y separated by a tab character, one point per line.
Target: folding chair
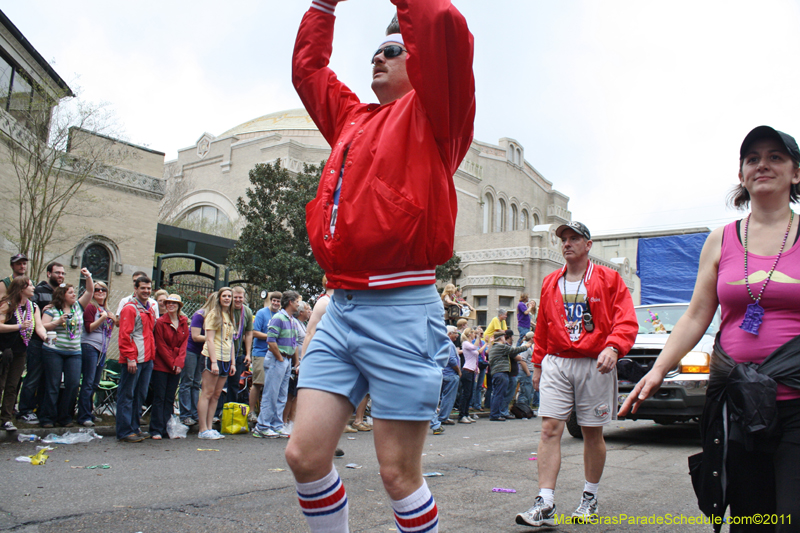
105	399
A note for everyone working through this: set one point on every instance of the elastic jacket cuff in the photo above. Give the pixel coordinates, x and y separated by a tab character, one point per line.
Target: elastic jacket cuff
326	6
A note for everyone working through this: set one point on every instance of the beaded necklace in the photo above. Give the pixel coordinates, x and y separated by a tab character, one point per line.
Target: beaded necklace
71	325
21	317
755	313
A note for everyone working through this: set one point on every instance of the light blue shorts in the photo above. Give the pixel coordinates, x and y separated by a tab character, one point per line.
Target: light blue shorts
391	344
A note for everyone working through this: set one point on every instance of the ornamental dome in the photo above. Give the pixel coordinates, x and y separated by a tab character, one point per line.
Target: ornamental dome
292	119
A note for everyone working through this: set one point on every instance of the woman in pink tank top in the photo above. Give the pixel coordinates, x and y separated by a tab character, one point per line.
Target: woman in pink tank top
751	269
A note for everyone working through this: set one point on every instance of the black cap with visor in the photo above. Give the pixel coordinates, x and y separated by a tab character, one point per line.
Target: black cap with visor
765	132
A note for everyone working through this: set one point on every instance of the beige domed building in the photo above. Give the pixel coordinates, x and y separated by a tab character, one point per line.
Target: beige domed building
507	213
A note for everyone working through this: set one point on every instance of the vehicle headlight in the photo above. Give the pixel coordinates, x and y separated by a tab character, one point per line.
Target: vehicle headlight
696	363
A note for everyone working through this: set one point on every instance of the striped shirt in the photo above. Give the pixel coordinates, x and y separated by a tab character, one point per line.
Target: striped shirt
281	331
74	325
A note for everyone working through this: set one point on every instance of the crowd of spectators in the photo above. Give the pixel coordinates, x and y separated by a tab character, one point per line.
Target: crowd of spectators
223	352
485	371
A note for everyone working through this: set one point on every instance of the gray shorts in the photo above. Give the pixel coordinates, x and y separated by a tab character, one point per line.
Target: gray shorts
577	382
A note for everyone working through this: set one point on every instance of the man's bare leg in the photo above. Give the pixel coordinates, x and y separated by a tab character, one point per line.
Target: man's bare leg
549	454
319	421
594	453
255	398
399	446
317	428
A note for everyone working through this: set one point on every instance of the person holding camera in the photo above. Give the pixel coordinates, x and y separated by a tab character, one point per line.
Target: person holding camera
586	321
63	353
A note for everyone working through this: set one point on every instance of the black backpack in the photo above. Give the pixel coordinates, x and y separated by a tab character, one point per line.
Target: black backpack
521	410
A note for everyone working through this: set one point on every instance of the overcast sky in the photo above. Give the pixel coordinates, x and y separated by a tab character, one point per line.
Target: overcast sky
634	109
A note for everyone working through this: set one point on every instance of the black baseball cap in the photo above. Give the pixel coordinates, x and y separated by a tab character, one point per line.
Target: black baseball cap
578	227
18	257
762	132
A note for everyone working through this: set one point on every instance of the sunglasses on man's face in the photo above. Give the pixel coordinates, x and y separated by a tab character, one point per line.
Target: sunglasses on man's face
393	50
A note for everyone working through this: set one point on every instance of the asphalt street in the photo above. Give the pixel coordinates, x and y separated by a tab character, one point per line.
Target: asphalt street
243	484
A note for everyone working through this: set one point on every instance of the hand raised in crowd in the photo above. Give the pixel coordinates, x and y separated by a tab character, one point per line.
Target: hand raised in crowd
85	273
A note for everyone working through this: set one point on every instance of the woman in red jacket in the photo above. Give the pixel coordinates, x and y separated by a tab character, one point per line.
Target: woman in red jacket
171	335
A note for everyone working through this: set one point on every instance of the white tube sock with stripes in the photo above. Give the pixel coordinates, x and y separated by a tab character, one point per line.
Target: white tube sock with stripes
324	504
417	513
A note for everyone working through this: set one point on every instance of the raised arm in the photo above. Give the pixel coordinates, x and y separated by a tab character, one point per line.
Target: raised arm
86	297
689	329
439	67
326	99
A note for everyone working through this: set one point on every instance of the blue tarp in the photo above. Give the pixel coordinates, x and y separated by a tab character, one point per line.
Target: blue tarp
667	267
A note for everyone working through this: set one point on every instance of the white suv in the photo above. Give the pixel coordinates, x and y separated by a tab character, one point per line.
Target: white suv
682	395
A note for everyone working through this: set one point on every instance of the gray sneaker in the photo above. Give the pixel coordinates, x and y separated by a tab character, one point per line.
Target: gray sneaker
538	515
587	510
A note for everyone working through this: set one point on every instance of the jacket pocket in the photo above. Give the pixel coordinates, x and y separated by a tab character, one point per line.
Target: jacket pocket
387	232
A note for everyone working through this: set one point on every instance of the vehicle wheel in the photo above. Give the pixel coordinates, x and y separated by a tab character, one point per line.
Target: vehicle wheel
665	420
573	427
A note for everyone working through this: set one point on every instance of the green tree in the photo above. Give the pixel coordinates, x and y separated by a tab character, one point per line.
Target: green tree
450	271
273	249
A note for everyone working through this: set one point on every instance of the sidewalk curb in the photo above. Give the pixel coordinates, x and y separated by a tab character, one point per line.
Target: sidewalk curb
103	431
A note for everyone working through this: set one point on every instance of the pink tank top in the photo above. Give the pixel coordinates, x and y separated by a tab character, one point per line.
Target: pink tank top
781	301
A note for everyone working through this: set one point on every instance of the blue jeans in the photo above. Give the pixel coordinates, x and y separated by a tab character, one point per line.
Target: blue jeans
527	395
276	388
92	363
446	400
164	386
499	387
55	363
32	390
477	389
131	393
191	382
522	333
512	388
467	379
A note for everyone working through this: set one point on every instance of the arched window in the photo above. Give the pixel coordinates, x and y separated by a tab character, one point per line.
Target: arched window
519	157
535	219
514	218
97	260
208	219
488	213
207	215
501	215
523	219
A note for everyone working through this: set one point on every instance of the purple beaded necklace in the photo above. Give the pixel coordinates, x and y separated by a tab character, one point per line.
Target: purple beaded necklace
755	313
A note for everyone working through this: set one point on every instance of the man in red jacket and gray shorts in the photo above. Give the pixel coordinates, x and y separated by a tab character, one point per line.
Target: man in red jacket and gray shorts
586	322
383	218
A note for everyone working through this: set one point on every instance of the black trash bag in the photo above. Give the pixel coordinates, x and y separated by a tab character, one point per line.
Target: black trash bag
630	370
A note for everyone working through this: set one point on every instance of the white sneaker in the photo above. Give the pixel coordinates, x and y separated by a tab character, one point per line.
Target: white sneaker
474	417
218	434
8	426
538	515
209	434
282	433
465	420
587	510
